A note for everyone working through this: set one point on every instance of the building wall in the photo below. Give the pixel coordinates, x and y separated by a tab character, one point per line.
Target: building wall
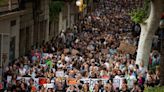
26	31
9	28
41	22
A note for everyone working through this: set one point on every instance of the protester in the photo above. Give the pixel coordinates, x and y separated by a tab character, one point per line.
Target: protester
88	58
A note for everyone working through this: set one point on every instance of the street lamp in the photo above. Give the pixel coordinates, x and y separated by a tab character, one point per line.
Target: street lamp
78	3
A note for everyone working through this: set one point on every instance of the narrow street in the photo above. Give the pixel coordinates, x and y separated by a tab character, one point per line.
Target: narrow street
97	55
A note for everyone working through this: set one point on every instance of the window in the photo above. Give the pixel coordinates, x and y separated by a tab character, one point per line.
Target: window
13	23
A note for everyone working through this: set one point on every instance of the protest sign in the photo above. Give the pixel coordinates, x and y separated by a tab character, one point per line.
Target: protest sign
36	80
130	82
59	73
51	85
72	81
95	81
116	83
42	81
74	52
9	79
127	48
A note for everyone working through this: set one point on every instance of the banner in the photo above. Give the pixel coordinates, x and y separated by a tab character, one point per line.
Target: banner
92	82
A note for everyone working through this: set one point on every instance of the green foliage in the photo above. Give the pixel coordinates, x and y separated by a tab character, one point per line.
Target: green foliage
140	14
154	89
55	8
2	2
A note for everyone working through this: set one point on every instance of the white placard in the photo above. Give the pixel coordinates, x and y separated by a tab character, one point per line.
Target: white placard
59	73
9	79
116	83
51	85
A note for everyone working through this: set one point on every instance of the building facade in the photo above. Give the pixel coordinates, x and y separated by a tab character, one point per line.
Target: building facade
22	24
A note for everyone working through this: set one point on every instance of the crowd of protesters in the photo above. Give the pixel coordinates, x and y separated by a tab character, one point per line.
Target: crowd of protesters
87	58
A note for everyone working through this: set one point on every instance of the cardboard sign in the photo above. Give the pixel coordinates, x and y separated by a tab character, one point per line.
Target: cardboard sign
127	48
74	52
72	81
59	73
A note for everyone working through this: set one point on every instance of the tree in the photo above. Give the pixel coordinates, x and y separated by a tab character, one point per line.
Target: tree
162	51
148	29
